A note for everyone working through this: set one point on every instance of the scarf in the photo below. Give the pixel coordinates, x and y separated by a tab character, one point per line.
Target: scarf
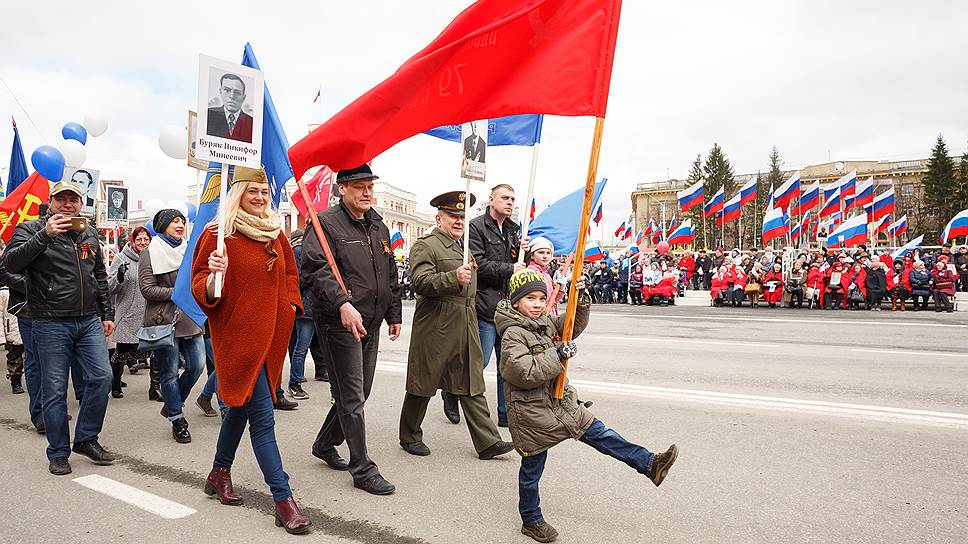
164	257
171	241
260	230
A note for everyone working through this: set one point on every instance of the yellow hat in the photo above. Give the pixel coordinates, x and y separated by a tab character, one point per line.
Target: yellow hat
253	175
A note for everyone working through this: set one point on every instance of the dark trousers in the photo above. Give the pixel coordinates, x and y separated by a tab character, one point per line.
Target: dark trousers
319	349
483	431
120	359
598	436
942	301
31	371
351	378
62	341
623	289
635	292
874	298
924	302
833	299
797	296
262	430
174	386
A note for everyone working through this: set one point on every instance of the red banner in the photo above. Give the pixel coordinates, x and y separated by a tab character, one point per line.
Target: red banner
497	58
23	204
318	188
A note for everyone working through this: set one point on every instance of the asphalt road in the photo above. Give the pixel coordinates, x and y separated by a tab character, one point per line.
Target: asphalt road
793	426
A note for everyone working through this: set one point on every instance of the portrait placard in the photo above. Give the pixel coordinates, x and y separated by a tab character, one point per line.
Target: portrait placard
116	200
192	138
474	136
230	98
88	179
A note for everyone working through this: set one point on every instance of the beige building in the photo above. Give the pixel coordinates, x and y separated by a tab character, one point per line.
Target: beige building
399	210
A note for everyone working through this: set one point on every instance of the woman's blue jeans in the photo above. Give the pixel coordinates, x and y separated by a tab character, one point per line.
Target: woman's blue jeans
175	388
303	333
262	431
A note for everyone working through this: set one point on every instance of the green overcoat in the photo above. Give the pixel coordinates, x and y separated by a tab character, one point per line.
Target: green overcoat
445	345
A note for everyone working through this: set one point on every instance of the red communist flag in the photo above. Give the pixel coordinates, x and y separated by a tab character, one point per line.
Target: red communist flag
23	204
319	190
497	58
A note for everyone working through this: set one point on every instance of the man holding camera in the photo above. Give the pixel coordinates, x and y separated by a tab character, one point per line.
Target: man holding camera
67	292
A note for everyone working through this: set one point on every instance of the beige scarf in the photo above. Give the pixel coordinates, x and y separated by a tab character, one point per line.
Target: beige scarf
261	230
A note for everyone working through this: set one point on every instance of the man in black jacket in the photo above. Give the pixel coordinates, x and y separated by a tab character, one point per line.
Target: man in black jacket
67	292
702	277
350	318
495	245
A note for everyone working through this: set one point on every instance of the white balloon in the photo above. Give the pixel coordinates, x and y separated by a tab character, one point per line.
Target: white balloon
74	153
177	205
153	205
96	124
174	142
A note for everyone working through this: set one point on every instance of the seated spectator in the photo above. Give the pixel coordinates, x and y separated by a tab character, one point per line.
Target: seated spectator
943	286
719	286
876	284
857	287
920	286
737	285
814	285
834	280
773	286
793	286
635	285
754	284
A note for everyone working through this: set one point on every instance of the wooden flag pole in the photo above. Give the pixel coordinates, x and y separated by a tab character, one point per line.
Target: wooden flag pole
318	229
586	215
467	227
223	192
526	223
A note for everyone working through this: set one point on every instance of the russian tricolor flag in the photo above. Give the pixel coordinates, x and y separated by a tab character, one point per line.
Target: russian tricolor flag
650	228
598	215
788	191
396	241
531	216
620	229
627	234
594	253
658	233
907	248
774	224
802	227
747	193
848	188
958	226
682	235
879	225
691	196
672	226
716	204
849	233
865	193
883	204
832	204
809	198
898	227
731	210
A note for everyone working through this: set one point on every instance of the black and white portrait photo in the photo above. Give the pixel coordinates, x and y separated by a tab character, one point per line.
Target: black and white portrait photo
474	136
87	180
230	113
117	201
227	116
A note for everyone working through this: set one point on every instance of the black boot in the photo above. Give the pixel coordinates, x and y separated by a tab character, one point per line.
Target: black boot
16	386
154	387
451	404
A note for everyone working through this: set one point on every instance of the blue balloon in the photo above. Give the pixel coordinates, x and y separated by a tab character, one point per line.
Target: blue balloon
49	162
192	211
75	131
151	228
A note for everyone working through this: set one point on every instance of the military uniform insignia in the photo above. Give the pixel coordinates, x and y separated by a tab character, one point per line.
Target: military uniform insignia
386	246
86	252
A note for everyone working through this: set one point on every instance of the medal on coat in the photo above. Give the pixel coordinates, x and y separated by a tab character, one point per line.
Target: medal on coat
386	247
86	251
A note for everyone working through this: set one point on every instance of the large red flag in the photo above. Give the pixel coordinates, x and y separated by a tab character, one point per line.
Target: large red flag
319	191
497	58
23	204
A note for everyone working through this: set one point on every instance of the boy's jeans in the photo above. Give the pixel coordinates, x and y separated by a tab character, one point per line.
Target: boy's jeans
597	436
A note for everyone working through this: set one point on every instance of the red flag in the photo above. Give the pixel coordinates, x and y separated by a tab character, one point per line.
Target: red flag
497	58
23	204
318	188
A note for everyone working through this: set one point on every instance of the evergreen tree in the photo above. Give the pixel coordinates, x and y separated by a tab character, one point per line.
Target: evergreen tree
774	178
940	185
719	173
695	176
961	195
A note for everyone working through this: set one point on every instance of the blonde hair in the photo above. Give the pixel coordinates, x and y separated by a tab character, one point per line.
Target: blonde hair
234	205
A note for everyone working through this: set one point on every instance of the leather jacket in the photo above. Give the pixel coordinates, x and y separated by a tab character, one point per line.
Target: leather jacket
495	249
66	276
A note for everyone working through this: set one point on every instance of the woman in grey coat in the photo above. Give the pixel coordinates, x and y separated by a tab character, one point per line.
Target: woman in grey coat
129	306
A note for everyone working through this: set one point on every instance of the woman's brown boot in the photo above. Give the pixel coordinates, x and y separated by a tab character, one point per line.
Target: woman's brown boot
291	518
220	482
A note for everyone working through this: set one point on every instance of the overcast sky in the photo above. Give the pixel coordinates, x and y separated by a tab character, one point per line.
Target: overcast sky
844	80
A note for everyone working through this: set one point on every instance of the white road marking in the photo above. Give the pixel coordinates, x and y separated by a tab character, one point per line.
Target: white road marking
132	495
912	352
857	411
680	341
833	321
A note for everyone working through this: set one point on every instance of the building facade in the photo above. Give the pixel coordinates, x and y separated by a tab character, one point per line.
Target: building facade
399	210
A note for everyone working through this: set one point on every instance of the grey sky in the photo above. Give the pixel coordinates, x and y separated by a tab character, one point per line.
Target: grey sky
862	79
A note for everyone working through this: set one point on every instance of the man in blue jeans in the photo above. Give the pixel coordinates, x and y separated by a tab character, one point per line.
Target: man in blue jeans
495	246
67	293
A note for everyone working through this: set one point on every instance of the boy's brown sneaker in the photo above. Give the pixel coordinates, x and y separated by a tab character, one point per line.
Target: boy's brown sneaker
662	463
541	531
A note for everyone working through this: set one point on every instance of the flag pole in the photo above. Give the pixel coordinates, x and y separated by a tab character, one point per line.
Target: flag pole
318	229
526	223
467	230
223	194
586	214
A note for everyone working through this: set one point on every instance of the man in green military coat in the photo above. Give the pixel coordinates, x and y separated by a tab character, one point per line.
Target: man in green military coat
445	348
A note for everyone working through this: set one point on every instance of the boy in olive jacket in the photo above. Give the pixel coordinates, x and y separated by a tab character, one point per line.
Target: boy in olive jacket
531	355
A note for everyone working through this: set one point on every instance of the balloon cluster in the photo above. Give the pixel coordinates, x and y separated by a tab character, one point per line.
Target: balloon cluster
50	161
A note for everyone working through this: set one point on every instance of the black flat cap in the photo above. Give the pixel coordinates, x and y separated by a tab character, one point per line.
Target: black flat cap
355	174
453	202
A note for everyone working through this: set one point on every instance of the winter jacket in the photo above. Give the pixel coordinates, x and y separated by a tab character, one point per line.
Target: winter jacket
9	328
773	287
496	250
876	282
157	290
129	303
307	296
361	248
17	284
944	281
920	283
65	274
530	365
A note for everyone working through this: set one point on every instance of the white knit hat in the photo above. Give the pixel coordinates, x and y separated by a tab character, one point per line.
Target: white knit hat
541	243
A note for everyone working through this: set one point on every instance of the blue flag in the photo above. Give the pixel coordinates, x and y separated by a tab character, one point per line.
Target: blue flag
560	221
275	146
207	212
511	130
18	165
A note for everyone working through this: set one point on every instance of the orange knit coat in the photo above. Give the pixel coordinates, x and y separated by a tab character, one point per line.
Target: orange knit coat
251	323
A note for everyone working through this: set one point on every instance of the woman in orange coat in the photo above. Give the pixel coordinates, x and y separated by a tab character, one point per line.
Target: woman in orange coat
250	325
